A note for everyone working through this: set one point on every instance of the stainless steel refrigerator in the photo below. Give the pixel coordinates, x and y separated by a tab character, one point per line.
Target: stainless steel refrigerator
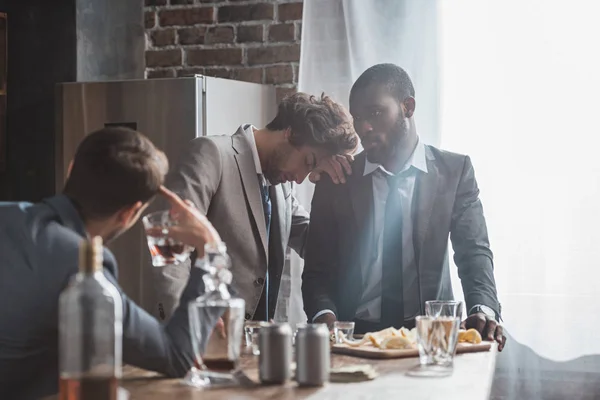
171	112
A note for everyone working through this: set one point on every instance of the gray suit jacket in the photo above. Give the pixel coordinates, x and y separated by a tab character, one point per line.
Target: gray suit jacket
39	248
446	204
217	173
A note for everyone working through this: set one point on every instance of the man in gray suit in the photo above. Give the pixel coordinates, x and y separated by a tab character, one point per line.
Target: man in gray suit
377	246
242	184
115	173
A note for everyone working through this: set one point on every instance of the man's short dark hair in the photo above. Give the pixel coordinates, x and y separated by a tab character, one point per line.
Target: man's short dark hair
318	122
390	75
114	168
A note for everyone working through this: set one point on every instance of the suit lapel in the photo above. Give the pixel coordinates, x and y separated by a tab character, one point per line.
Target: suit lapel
247	170
426	194
361	195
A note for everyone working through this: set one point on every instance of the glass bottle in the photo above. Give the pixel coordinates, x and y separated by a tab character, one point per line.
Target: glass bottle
90	331
222	346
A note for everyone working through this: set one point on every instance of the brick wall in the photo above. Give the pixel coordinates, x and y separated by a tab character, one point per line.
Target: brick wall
249	40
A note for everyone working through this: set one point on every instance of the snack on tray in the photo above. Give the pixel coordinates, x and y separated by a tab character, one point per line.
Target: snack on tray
389	338
470	336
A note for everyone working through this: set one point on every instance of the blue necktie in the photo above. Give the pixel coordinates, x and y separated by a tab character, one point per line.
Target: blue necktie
392	294
266	200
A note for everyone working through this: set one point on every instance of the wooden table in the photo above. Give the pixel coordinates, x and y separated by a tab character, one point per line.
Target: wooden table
472	379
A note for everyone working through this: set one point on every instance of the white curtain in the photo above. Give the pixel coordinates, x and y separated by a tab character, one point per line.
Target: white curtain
342	38
516	85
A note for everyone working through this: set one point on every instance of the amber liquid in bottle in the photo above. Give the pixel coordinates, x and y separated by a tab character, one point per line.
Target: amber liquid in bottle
89	388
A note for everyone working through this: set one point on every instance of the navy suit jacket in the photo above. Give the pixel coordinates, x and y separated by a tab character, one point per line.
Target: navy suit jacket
39	247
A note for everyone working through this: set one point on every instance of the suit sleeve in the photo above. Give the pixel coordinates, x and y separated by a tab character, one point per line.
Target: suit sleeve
196	177
167	348
299	229
469	236
320	262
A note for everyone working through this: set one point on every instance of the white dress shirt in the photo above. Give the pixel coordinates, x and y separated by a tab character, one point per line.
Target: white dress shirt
249	131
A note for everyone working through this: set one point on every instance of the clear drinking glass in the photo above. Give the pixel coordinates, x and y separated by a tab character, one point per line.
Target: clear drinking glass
164	250
443	308
436	339
219	363
343	329
251	329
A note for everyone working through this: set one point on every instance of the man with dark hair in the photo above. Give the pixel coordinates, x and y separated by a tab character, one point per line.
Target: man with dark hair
115	173
377	248
242	183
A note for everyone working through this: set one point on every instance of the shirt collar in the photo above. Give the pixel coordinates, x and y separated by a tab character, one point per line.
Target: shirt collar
417	159
249	132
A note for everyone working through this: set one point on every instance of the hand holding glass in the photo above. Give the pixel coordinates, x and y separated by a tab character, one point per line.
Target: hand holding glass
173	234
164	250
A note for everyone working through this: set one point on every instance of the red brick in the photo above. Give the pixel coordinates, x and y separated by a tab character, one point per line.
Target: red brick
181	2
163	58
282	92
250	33
290	11
162	37
149	19
248	74
190	71
186	16
150	3
218	72
160	73
274	54
278	74
219	34
247	12
214	56
196	35
281	33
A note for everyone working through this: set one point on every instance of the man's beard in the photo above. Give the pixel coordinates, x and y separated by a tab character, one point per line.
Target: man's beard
383	152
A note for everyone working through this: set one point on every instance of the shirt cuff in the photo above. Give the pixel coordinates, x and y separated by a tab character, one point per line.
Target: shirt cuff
322	312
496	315
199	263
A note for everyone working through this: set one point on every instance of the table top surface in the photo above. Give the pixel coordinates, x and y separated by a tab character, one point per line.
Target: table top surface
471	379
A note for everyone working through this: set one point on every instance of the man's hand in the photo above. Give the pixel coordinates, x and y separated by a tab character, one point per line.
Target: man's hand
192	228
327	318
337	167
488	327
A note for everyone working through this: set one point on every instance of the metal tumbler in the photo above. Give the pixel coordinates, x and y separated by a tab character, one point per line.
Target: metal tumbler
312	355
275	358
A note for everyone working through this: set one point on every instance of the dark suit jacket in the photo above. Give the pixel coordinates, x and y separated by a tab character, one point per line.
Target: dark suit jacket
39	247
217	173
446	203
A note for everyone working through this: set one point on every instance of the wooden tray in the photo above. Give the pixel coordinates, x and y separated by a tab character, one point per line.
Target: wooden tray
368	351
